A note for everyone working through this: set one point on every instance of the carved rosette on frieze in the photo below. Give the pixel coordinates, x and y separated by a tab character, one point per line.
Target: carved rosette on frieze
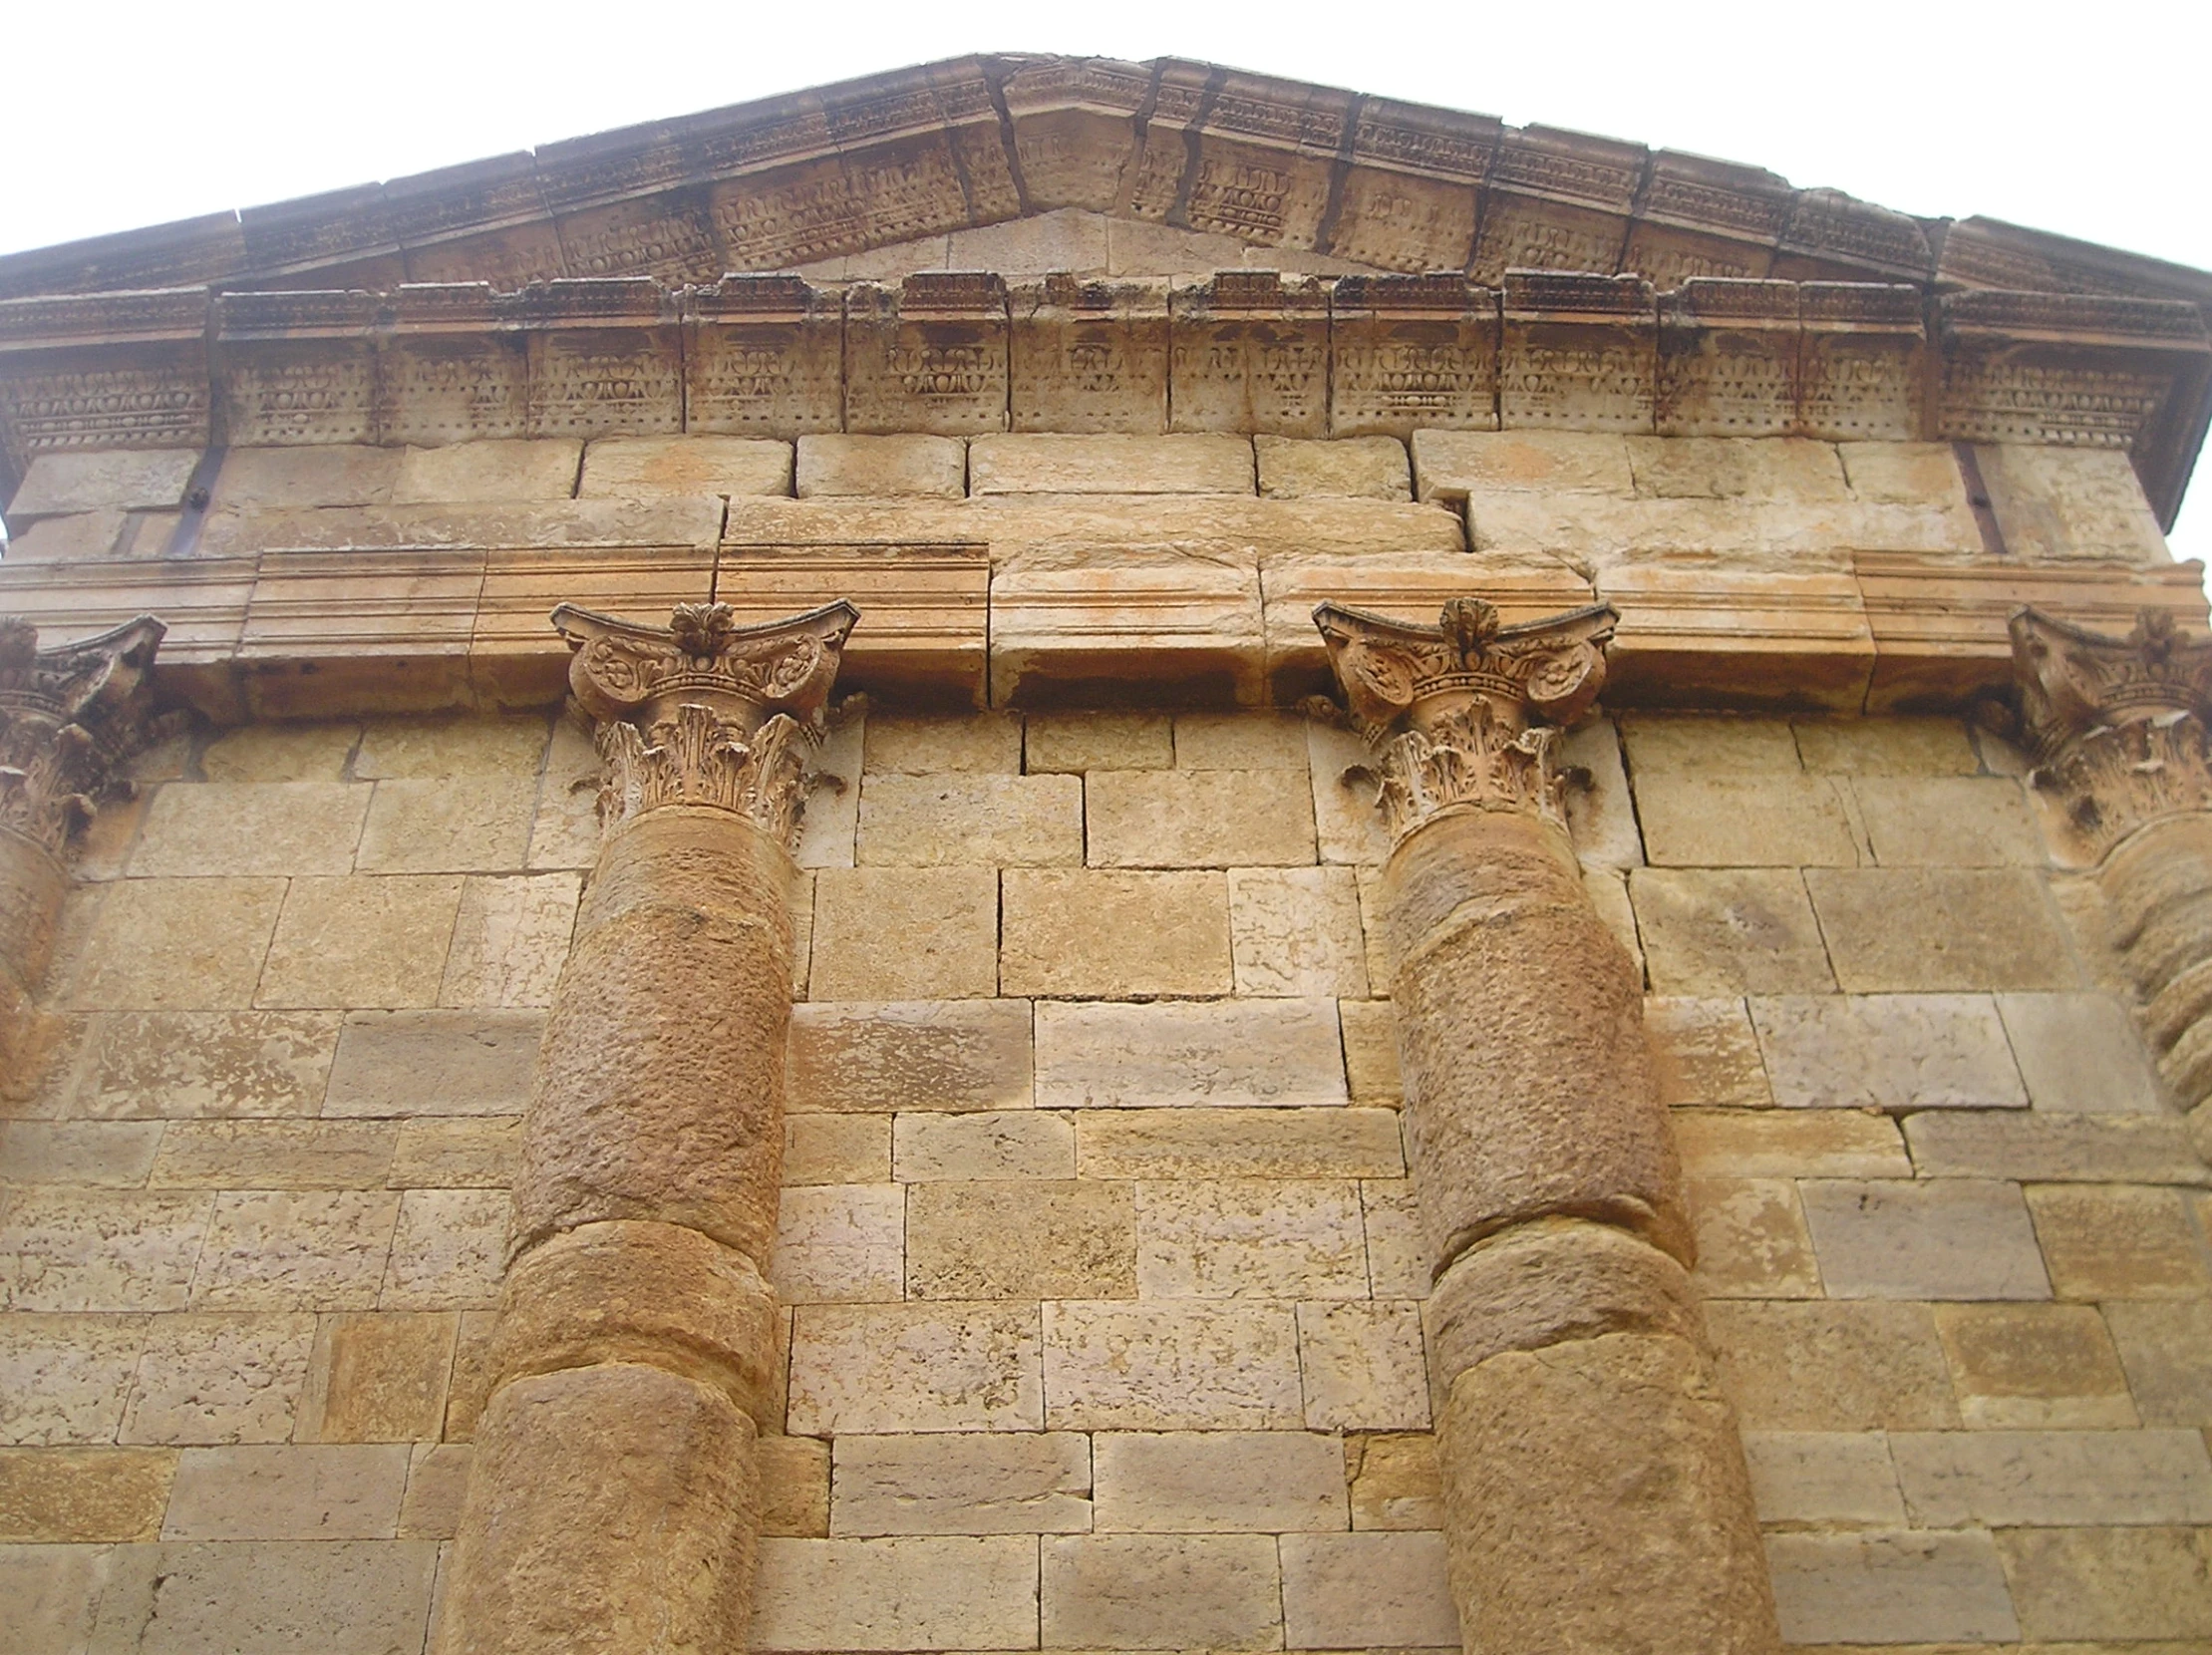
1464	714
68	718
704	711
2118	726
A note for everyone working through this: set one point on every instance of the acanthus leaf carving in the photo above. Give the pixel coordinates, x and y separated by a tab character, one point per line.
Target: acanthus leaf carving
68	718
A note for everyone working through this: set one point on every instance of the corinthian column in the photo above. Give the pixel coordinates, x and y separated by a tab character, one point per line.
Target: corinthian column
1595	1491
2123	769
612	1505
69	717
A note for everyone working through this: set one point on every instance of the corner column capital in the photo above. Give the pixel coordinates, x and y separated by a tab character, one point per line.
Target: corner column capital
68	718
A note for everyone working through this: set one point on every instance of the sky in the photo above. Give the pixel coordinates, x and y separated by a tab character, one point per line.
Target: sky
2085	120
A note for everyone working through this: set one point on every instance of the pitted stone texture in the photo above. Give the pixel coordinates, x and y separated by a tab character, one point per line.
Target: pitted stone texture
1186	1366
1198	818
83	1493
1725	930
1218	1482
928	1145
909	1592
2062	503
2114	1241
1945	1239
659	1090
905	933
219	1379
99	1249
885	1368
1296	930
1936	930
1554	1282
553	1551
283	827
962	1483
1114	933
361	941
435	1062
939	1054
1704	1053
280	753
836	1148
176	945
1170	1054
1396	1482
124	478
1364	1592
378	1378
967	819
1893	1052
1832	1366
1365	468
1362	1365
690	464
1256	1238
1162	1591
1598	1497
350	1597
2035	1367
65	1379
1036	1238
1768	1143
448	824
882	466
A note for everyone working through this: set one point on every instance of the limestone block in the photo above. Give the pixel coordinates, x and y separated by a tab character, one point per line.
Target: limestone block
335	474
2058	1148
1241	742
565	830
1751	1240
65	1379
83	1493
1201	1143
435	1062
479	1152
1347	822
1897	1587
1601	813
63	1249
2161	1347
1597	1491
367	941
2111	1583
2058	502
176	945
1371	1052
1954	1238
840	1243
511	940
1362	1365
286	1249
1453	465
889	1368
1729	467
1257	1238
1831	1366
912	1592
274	1154
1109	464
219	1379
953	1055
928	1145
447	1250
532	1563
1198	818
1607	890
1397	1258
693	465
905	934
795	1485
2078	1054
288	1493
1895	1052
1745	821
927	747
124	478
1904	473
473	1373
1217	1481
1950	822
2033	1367
1362	1591
2115	1241
378	1379
1673	744
438	750
1032	1238
1162	1591
1770	536
346	1597
1074	743
280	753
1114	932
1939	929
1824	1479
1146	620
53	1593
460	824
82	536
1171	1367
118	1154
1886	747
1363	467
437	1478
1704	1054
962	1483
1296	931
1170	1054
966	820
882	466
497	470
840	1149
829	820
249	827
2052	1479
1719	932
1835	1144
1395	1482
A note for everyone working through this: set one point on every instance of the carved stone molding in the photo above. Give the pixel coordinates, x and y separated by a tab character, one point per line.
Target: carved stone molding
68	718
704	711
1463	714
2118	726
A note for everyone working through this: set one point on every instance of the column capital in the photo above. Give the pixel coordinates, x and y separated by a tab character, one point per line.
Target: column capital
704	711
1464	713
2117	727
69	717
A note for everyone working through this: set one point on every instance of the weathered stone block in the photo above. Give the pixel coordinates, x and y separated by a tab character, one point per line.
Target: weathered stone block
1171	1367
838	1148
1347	821
509	940
1161	1591
1109	464
1886	747
80	538
66	1249
912	1055
435	1062
1894	1051
1951	821
1364	1592
1782	821
2112	1241
1452	465
479	1153
882	466
929	746
50	1494
2059	503
2110	1584
2078	1053
1032	1238
1824	1479
1198	818
1936	930
1363	1365
176	945
378	1379
1704	1053
1296	931
437	1480
1363	467
913	1592
274	1154
455	824
219	1379
1111	932
1673	744
369	941
288	1493
179	1064
1396	1482
905	934
432	750
2162	1346
1895	1588
1397	1263
2033	1367
1723	931
336	473
966	820
65	1379
1249	1238
842	1244
1241	742
1165	1053
1217	1481
83	481
447	1250
1835	1144
1371	1052
250	827
795	1485
1202	1143
885	1368
2096	1148
2052	1479
1751	1240
1831	1366
280	753
927	1145
306	1250
1954	1238
509	468
347	1597
1074	743
962	1483
117	1154
1903	473
691	464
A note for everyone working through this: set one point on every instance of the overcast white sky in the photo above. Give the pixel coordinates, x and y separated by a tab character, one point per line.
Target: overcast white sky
2088	120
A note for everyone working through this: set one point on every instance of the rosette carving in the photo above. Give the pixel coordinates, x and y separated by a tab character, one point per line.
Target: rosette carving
69	717
1464	714
707	711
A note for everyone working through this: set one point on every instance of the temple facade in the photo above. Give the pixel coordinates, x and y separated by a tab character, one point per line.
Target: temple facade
1065	855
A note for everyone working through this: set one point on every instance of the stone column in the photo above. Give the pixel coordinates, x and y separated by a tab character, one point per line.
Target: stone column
2123	773
1596	1496
69	717
612	1502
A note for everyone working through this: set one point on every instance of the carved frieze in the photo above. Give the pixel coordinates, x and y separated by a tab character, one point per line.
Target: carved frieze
704	711
1464	714
69	717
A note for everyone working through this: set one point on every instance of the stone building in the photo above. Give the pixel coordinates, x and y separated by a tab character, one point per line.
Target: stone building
1186	937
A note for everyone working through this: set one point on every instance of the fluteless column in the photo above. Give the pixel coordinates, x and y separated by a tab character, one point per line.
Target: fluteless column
69	717
612	1502
1596	1496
